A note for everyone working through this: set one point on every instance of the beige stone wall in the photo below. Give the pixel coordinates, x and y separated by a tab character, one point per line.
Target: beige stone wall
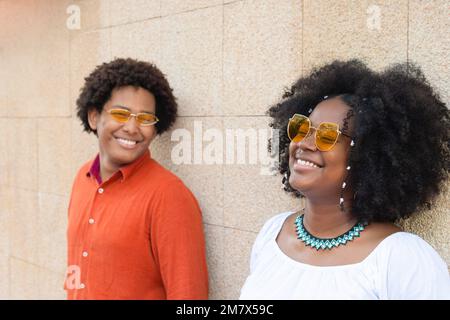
227	61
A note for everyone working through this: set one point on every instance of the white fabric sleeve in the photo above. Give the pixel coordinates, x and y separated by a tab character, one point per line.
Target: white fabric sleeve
265	234
414	270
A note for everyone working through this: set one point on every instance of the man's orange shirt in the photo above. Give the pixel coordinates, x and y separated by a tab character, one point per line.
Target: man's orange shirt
138	235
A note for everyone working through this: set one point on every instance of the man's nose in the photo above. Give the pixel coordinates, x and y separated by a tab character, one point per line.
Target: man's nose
131	125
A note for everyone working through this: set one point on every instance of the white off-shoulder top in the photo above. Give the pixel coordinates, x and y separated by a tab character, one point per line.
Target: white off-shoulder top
402	266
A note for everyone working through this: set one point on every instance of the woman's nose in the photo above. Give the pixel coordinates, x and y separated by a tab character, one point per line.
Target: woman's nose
308	143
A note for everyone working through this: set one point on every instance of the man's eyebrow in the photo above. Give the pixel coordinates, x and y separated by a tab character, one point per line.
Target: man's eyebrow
121	107
126	108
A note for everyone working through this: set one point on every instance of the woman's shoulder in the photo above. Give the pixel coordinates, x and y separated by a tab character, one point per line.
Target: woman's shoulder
405	245
273	225
270	230
412	267
267	234
395	244
387	237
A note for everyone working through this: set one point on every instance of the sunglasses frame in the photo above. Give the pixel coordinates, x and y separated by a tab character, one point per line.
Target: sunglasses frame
315	131
136	115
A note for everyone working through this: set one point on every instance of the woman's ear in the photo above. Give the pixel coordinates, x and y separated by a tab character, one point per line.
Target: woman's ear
93	118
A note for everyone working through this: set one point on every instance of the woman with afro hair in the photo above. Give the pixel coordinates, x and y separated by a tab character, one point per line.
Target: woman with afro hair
364	149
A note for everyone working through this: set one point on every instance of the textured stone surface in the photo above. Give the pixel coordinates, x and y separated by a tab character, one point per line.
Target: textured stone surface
36	65
428	46
23	223
139	40
126	11
93	14
238	246
6	143
29	281
6	198
24	280
53	150
170	7
262	53
23	154
52	225
228	61
192	51
215	249
4	273
354	29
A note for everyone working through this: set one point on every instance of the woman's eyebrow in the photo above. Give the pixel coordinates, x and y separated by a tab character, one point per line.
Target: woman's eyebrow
316	124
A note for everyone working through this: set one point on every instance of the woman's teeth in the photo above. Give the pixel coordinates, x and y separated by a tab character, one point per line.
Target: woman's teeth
306	163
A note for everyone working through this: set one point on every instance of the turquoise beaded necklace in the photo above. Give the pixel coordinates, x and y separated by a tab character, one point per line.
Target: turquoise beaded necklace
330	243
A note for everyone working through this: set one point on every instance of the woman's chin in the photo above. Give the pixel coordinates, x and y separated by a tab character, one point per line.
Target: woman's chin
303	184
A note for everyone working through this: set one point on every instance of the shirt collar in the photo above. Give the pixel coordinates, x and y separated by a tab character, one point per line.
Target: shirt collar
95	169
125	171
128	170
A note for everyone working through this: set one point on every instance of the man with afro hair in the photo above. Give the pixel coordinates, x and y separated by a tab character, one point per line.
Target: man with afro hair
135	230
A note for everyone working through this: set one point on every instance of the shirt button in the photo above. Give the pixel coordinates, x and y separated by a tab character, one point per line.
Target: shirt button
100	190
85	254
82	286
91	221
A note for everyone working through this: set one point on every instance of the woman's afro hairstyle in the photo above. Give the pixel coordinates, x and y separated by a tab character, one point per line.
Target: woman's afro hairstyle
118	73
401	156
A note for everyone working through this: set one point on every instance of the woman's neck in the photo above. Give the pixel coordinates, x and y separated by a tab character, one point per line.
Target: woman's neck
326	220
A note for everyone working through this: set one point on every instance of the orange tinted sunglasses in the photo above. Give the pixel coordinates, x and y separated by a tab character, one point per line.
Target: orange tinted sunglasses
326	134
143	118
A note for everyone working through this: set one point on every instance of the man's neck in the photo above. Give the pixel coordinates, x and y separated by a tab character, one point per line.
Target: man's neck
107	169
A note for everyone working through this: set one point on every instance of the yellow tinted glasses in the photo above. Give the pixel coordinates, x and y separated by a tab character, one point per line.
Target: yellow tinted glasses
122	115
326	134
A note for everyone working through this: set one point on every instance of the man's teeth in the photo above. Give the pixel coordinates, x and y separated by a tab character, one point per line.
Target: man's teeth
127	142
306	163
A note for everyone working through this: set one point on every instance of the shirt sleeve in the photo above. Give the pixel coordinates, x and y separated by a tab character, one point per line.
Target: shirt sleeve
414	270
178	244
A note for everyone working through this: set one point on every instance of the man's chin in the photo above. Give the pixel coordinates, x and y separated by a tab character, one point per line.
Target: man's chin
128	158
